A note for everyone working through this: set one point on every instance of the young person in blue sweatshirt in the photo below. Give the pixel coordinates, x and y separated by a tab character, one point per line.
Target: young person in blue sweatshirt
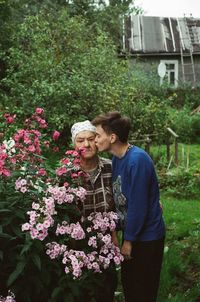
136	194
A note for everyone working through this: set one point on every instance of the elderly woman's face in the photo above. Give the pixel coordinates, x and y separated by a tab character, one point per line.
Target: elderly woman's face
86	140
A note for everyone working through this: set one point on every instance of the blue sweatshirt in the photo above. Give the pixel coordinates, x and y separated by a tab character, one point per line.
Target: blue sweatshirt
136	195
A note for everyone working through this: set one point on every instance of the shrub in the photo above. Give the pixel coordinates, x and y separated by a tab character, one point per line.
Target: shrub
42	257
187	126
181	182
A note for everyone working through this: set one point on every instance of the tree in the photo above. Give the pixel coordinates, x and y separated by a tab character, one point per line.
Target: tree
59	63
107	15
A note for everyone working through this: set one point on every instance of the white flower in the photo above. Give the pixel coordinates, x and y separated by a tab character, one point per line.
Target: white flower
9	144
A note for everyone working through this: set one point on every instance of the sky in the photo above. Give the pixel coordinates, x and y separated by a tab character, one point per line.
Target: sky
170	8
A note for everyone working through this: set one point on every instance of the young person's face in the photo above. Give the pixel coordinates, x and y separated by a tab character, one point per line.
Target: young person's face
86	140
102	139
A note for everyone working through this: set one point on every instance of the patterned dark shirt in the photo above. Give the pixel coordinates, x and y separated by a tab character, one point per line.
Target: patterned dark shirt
99	196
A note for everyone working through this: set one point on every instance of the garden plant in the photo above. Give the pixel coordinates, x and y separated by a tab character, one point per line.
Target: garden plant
41	214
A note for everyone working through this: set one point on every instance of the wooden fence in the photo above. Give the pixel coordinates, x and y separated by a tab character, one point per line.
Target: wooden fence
147	140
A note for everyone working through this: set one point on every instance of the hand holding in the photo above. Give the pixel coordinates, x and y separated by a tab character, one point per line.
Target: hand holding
126	249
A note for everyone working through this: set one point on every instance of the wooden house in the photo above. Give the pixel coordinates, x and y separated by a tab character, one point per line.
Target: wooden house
171	45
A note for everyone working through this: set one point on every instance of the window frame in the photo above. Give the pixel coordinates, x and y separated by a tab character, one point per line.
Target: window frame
167	75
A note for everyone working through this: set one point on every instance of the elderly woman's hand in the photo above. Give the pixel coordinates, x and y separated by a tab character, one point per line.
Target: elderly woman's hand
126	249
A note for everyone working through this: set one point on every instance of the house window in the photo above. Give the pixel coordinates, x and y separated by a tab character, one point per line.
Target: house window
171	75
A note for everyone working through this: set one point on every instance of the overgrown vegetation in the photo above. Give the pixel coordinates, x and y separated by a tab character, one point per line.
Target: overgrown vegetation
180	180
60	64
64	57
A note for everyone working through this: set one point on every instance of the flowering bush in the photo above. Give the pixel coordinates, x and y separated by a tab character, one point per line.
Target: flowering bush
51	198
82	243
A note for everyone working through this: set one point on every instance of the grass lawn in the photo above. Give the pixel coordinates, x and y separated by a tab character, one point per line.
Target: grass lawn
180	278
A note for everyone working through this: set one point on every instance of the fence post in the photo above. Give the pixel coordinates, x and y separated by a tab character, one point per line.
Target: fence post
175	144
147	145
168	149
176	150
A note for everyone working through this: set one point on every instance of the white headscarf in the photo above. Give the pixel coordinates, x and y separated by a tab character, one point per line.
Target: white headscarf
81	126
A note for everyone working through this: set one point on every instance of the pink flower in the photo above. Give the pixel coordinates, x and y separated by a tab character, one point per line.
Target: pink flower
42	122
74	175
9	118
10	297
61	171
39	110
5	172
65	161
56	135
76	162
46	144
56	149
23	189
31	148
25	226
74	153
42	172
34	233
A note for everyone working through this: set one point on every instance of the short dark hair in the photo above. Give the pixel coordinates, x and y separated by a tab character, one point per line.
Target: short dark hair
114	122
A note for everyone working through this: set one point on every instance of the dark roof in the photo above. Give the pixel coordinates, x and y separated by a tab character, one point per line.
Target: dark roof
151	35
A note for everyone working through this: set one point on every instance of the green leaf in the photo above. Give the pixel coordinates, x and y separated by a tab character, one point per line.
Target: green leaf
5	211
20	214
56	292
17	231
26	247
4	235
68	298
37	261
1	255
15	274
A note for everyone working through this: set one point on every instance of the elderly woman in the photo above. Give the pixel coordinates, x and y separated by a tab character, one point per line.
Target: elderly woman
99	185
99	196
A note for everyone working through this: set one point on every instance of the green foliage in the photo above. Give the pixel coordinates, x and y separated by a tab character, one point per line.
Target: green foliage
144	102
5	13
153	108
184	96
186	125
181	182
63	59
148	113
58	63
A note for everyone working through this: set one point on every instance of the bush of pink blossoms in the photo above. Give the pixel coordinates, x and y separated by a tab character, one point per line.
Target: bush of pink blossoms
22	162
50	198
81	243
